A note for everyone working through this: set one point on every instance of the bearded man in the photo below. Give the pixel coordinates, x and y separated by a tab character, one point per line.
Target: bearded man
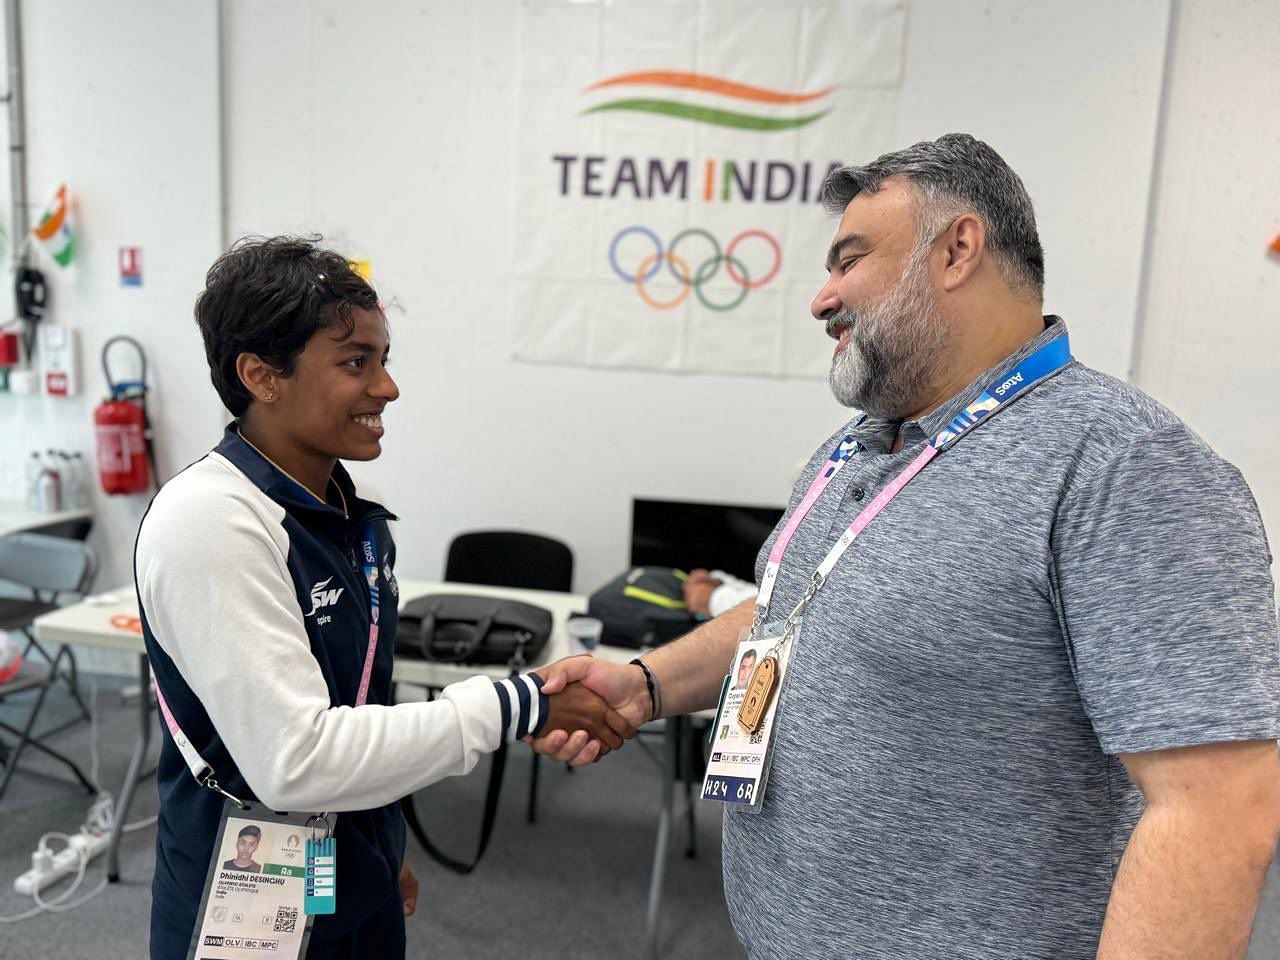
1032	684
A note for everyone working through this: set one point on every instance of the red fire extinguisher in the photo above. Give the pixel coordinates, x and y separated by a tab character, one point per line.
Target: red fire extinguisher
123	430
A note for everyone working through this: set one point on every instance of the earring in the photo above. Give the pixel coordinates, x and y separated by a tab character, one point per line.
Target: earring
271	395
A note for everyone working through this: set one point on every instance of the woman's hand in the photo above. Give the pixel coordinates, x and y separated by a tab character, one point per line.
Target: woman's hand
622	687
577	708
408	889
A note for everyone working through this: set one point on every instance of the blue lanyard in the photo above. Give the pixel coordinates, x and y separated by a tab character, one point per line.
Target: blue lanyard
1047	360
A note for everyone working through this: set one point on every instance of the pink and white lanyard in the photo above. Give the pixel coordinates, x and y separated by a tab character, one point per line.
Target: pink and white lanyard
1046	361
202	771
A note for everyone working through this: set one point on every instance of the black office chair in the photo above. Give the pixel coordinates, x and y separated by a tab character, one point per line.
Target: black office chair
509	558
50	567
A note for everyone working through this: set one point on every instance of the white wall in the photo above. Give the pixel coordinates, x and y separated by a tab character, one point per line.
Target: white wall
389	128
1211	346
122	105
1062	91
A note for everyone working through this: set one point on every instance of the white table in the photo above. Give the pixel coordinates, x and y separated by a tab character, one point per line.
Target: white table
16	518
111	621
90	623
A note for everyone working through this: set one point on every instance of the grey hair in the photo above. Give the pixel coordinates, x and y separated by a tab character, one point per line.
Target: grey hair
953	175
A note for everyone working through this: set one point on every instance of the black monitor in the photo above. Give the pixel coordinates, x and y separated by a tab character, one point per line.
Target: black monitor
717	536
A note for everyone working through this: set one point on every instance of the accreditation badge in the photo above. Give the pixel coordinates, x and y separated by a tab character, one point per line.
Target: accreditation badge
742	738
254	895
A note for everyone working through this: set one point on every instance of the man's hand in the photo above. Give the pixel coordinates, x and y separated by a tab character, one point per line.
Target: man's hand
621	686
577	709
698	590
408	890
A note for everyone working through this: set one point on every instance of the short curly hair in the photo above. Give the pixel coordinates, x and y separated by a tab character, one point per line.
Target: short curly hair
268	296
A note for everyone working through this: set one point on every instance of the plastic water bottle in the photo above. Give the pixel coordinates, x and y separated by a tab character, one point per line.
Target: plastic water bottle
33	481
49	491
67	483
49	486
81	499
72	481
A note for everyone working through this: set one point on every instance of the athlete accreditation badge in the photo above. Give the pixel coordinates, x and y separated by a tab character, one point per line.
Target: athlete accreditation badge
253	904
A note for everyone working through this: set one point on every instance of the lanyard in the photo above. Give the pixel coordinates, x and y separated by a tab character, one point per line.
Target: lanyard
1049	359
202	771
369	549
845	449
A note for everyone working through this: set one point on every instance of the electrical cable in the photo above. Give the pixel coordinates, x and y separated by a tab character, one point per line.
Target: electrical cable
52	906
93	733
25	915
102	815
99	821
58	906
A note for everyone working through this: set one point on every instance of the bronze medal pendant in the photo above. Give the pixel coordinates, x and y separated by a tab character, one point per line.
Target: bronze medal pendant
760	691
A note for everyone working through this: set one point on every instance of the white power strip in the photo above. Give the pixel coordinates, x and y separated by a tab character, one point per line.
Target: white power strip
65	862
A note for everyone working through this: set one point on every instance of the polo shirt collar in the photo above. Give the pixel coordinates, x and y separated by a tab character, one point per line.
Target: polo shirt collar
914	431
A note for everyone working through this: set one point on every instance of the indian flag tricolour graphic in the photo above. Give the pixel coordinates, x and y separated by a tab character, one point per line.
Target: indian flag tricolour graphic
54	228
717	101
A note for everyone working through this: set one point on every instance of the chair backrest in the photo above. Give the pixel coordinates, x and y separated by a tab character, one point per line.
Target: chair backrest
49	565
77	529
509	558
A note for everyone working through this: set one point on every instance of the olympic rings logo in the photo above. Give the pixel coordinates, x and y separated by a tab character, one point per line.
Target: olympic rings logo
694	280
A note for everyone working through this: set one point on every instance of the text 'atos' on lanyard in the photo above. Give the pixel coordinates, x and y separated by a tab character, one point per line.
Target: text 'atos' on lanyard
1045	362
201	770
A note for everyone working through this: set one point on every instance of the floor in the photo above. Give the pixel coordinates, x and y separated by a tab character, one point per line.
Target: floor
587	860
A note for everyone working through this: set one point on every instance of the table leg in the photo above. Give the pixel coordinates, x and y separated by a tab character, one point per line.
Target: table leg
689	748
671	740
135	770
531	811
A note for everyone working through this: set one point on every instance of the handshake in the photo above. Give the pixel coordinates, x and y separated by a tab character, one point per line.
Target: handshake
593	707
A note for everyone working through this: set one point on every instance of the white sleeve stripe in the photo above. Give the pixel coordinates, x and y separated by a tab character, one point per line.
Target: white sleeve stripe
504	707
534	698
509	732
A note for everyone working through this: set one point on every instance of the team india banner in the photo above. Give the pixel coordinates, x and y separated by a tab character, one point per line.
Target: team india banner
668	166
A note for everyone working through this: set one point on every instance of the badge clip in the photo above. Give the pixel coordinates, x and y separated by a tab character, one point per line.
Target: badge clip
212	784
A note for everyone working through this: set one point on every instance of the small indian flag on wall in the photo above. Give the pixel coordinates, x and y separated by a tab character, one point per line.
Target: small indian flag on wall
54	228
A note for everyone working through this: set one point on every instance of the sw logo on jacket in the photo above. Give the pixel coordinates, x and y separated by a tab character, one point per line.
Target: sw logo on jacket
320	597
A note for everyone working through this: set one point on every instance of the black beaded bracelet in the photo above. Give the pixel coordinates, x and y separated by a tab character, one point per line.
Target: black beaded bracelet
652	684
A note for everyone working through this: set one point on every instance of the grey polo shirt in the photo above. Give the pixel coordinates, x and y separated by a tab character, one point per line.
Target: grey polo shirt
1079	577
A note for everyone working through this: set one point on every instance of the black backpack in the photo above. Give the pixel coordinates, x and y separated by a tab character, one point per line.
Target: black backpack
643	607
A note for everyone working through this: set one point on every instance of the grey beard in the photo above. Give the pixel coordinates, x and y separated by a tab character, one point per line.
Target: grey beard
894	347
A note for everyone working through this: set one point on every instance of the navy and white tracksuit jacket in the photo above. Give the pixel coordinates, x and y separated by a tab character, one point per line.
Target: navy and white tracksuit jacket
255	610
